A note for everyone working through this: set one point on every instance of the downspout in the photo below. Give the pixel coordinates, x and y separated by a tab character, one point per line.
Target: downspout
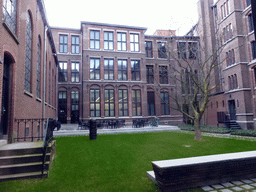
45	64
82	89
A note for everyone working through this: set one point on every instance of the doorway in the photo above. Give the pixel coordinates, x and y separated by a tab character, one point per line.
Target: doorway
232	109
5	96
151	103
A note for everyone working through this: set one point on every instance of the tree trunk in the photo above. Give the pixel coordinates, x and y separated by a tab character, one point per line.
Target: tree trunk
198	135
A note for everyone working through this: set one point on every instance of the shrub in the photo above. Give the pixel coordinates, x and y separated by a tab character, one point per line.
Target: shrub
209	129
251	133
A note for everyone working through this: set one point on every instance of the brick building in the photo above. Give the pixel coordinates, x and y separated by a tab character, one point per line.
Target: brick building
28	66
115	73
229	24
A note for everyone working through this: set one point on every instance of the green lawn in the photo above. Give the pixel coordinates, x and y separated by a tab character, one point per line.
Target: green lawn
119	162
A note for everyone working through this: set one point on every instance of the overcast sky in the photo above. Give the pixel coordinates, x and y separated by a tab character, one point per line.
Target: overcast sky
178	15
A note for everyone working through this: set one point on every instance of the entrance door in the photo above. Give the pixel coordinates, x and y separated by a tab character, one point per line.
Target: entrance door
232	109
151	103
62	109
5	98
74	106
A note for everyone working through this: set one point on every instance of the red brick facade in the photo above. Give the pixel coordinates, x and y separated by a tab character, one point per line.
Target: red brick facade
23	104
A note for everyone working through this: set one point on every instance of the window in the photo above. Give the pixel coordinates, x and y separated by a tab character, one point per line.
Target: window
38	71
192	49
108	40
94	69
134	42
233	84
182	50
150	74
225	9
227	32
163	75
121	42
151	103
123	102
63	43
95	102
250	20
254	76
135	70
230	57
10	11
148	49
248	3
74	72
165	109
75	42
109	103
28	60
94	39
253	47
136	102
62	71
108	69
122	69
162	50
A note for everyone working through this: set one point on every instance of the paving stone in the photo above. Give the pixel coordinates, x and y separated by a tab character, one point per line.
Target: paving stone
254	184
227	184
253	191
207	188
247	186
237	182
254	179
226	190
237	188
247	181
218	186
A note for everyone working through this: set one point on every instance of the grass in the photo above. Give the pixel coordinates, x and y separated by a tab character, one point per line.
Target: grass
119	162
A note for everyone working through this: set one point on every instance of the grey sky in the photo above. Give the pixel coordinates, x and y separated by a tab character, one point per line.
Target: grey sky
178	15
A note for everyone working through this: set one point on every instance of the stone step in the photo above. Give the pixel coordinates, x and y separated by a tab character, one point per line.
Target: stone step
22	176
31	158
22	168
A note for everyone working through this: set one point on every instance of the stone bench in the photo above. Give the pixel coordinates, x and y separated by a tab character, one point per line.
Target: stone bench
186	173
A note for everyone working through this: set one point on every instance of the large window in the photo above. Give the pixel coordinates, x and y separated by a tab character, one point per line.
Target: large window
162	50
149	49
38	71
121	42
136	102
250	20
163	75
94	39
122	69
150	74
253	47
109	103
74	72
75	44
108	69
95	102
28	60
135	70
134	42
63	43
123	102
94	69
108	40
9	11
165	109
233	82
227	32
62	71
182	54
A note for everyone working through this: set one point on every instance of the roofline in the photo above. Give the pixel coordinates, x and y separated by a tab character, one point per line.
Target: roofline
65	28
112	25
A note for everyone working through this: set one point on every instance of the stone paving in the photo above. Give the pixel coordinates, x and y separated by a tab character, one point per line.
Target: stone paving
243	185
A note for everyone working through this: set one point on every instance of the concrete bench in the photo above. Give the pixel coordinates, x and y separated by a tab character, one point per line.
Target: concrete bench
179	174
